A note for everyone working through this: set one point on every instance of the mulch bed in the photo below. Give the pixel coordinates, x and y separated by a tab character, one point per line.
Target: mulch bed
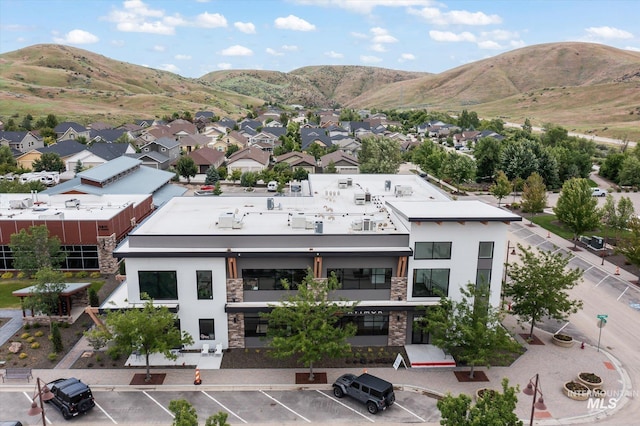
139	379
478	376
318	379
531	339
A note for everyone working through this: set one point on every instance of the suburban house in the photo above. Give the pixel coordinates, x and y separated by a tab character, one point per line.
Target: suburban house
395	242
206	157
232	138
159	154
314	135
250	159
96	154
298	160
68	130
343	162
65	149
192	142
21	141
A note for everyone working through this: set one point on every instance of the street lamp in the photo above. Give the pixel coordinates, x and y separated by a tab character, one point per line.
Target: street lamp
43	394
510	250
534	389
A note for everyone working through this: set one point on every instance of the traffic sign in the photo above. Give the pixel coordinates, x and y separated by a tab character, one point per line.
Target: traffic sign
602	317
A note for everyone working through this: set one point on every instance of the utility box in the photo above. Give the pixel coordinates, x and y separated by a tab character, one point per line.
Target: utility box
597	242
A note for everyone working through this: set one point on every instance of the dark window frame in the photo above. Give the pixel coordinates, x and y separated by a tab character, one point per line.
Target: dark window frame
206	324
430	251
363	278
429	289
204	285
159	279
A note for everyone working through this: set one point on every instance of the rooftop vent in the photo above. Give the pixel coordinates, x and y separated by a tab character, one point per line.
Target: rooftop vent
25	203
74	202
402	190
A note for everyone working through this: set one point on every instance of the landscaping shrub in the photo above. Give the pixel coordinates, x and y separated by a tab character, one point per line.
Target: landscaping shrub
25	335
7	275
23	355
82	274
56	338
52	356
35	345
20	275
95	275
38	333
93	298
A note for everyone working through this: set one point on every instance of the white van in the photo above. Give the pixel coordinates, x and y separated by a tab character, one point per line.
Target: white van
272	186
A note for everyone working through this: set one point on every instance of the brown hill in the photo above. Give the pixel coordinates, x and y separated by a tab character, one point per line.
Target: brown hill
582	86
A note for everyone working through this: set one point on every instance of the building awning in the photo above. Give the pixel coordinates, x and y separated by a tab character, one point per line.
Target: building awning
70	289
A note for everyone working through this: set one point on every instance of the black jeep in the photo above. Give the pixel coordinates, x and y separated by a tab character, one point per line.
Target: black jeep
71	397
376	393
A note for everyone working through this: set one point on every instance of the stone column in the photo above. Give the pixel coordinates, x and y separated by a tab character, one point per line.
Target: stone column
235	321
106	262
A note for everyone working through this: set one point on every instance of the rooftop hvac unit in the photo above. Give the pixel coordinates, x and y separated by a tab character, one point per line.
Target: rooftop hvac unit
356	225
387	185
318	226
342	183
74	202
298	221
359	199
310	223
349	182
270	203
368	225
402	190
25	203
226	220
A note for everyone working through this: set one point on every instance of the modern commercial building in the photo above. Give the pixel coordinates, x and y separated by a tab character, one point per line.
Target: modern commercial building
394	241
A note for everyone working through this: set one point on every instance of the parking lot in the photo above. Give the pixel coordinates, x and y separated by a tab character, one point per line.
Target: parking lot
243	407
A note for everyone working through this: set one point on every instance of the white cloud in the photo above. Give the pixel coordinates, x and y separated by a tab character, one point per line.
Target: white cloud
236	50
381	35
211	20
452	37
334	55
293	23
608	33
377	47
290	47
77	37
455	17
146	27
273	52
170	68
490	45
364	6
182	57
159	48
370	59
224	66
245	27
407	57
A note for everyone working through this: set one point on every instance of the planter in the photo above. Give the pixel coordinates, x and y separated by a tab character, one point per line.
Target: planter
484	393
562	340
590	380
576	391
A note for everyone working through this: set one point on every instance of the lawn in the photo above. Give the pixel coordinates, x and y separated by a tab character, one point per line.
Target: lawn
7	287
551	223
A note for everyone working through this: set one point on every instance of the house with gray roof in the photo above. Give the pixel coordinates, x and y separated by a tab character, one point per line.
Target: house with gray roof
309	136
70	130
250	159
343	162
206	157
159	154
21	141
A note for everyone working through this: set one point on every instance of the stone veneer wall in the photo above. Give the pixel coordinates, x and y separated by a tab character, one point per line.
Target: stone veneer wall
236	329
398	319
107	263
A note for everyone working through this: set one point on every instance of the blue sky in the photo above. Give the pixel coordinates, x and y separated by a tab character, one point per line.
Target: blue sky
194	37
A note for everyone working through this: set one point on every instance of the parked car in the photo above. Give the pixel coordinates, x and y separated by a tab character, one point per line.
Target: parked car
71	397
598	192
272	186
377	394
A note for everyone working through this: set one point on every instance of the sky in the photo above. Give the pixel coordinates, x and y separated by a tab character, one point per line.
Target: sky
195	37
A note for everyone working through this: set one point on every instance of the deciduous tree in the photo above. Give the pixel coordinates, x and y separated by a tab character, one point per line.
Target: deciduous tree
458	168
534	195
501	188
50	162
305	324
576	208
34	249
186	167
469	329
629	247
379	155
45	296
539	286
150	329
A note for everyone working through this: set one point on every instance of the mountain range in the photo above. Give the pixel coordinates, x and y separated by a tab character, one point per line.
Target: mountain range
585	87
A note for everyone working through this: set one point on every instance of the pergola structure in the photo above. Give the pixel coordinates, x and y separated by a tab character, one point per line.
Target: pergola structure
71	292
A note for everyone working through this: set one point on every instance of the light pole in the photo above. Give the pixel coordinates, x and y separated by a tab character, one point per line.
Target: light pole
43	394
534	389
510	250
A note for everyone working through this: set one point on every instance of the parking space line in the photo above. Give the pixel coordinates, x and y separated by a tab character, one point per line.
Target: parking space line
410	412
159	405
278	402
345	405
562	328
31	400
600	282
622	294
223	406
105	413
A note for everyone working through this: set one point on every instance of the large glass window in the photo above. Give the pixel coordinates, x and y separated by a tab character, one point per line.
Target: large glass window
207	329
159	285
368	325
204	281
363	278
485	250
432	250
254	325
430	282
271	279
483	276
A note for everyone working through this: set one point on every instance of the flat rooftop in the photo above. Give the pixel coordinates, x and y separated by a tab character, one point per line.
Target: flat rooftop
343	204
64	206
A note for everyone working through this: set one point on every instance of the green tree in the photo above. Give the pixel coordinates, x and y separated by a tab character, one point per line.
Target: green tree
527	127
629	246
212	177
420	154
78	168
534	195
184	413
617	217
305	323
218	419
458	168
612	165
469	329
381	156
236	174
151	329
630	172
539	286
45	295
468	120
50	162
51	121
123	138
33	250
56	338
331	168
300	174
487	155
186	167
231	149
576	208
248	179
8	163
517	159
494	409
501	188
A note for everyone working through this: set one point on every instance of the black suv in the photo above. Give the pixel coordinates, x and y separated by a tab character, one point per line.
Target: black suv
376	393
71	397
